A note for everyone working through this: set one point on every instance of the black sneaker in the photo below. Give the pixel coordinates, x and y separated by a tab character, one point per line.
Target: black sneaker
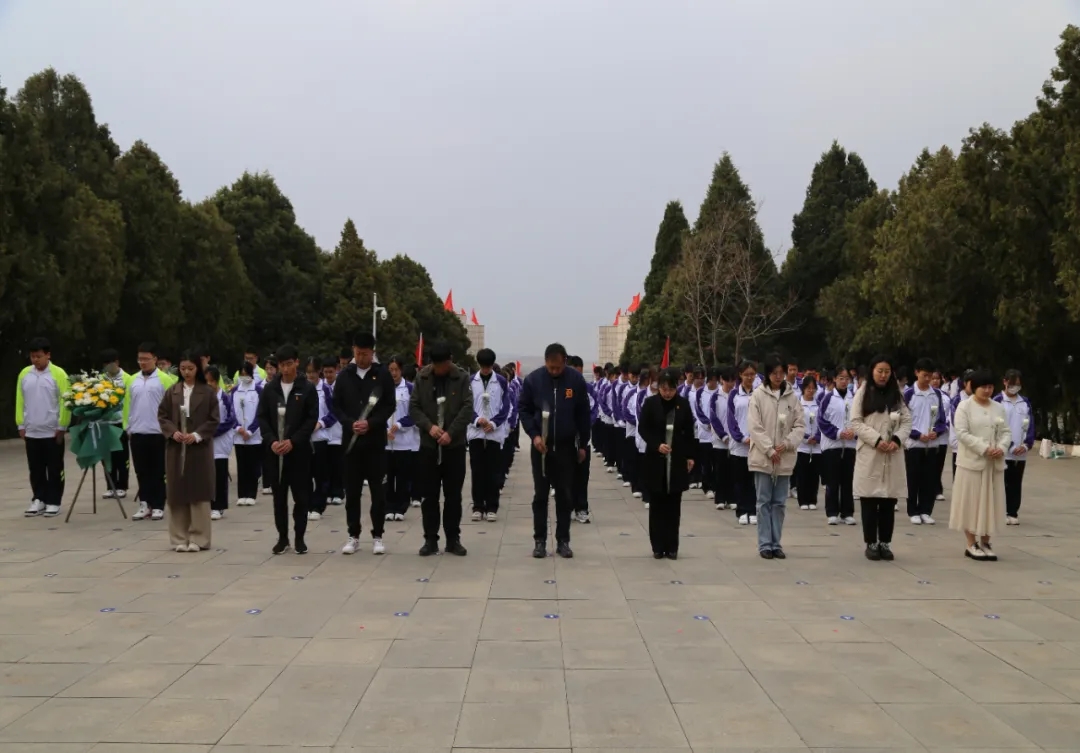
563	550
779	554
766	554
540	550
281	547
873	552
429	548
672	555
455	547
886	551
301	547
658	555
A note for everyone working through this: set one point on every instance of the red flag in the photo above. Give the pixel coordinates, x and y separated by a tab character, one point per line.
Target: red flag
518	364
474	319
449	305
634	304
666	360
420	351
618	315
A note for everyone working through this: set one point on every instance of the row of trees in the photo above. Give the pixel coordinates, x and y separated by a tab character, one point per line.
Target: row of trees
974	259
98	248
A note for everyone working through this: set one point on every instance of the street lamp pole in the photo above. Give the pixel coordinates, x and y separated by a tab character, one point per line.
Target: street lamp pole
376	311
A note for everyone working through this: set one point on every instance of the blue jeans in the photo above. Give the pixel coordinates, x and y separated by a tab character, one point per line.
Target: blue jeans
771	495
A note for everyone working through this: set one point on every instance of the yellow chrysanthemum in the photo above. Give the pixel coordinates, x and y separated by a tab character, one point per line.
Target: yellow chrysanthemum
79	395
113	400
100	403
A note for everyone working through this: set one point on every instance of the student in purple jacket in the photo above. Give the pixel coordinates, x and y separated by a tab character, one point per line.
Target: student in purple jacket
248	440
1021	422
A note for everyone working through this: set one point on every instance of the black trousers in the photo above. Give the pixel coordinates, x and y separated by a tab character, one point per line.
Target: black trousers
221	485
295	477
45	458
508	451
485	462
942	452
721	477
1014	481
447	477
630	465
335	469
618	445
365	465
921	464
248	469
581	482
608	447
704	461
560	467
121	467
695	476
400	470
320	476
878	519
665	510
807	477
839	474
743	485
148	457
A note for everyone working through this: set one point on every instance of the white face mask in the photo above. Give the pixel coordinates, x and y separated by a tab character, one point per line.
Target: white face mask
246	380
1013	390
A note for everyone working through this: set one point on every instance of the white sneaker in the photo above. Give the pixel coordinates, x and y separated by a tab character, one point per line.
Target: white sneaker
927	520
399	516
180	548
337	501
350	546
850	521
366	483
492	517
610	469
583	517
720	506
710	495
121	493
833	520
51	511
216	515
625	484
753	520
267	491
804	507
916	520
744	520
618	476
637	495
109	494
940	498
646	505
157	515
551	492
413	503
142	513
813	507
732	506
1012	521
37	507
477	516
377	547
390	516
314	516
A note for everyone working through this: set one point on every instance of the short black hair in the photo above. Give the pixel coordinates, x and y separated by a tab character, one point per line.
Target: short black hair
925	364
982	378
213	372
148	347
39	344
485	357
597	369
364	340
555	349
396	359
272	361
808	381
576	362
247	369
346	353
688	368
287	353
670	378
329	362
314	362
1012	375
745	364
727	373
608	366
439	352
699	371
714	373
252	351
409	373
772	362
109	355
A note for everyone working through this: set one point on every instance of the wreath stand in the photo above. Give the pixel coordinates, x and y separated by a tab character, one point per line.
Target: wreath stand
93	481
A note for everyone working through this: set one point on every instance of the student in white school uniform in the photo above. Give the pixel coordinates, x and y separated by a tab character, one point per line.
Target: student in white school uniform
119	474
43	418
628	450
403	446
838	451
721	441
335	454
692	395
651	388
808	463
941	444
145	391
703	463
248	440
739	449
631	412
320	442
224	436
928	416
1021	422
486	434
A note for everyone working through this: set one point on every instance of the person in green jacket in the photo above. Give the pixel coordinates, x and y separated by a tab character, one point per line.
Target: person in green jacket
43	419
252	356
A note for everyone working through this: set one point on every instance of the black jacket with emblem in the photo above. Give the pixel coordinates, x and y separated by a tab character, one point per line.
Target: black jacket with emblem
301	412
351	395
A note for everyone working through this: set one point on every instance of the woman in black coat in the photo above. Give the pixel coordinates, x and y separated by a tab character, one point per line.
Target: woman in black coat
658	412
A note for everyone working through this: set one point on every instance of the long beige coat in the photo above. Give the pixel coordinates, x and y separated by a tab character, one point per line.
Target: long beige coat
878	475
774	420
197	481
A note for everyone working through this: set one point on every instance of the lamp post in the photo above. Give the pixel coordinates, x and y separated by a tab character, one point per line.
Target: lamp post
376	312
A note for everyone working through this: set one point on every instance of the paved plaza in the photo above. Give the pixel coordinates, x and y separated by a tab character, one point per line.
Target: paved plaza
111	642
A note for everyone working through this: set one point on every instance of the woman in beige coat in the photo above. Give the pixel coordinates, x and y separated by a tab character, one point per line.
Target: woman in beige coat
983	439
189	415
880	419
775	420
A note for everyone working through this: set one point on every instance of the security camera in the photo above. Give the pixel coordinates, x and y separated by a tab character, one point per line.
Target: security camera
382	315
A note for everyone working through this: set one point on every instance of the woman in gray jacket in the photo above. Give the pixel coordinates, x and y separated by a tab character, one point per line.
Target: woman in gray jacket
776	424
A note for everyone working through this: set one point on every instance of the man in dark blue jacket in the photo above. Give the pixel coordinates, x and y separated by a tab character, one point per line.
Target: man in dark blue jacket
563	395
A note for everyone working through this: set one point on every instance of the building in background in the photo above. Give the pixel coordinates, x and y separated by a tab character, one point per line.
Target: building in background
612	337
473	328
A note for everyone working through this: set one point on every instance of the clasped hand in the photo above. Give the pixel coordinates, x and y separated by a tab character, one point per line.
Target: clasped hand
282	448
182	438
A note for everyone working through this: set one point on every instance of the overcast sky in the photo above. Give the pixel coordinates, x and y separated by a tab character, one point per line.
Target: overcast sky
524	151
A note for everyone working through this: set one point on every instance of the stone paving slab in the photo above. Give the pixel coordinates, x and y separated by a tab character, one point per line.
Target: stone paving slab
112	643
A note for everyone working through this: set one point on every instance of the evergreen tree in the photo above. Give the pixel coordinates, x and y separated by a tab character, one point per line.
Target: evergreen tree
412	294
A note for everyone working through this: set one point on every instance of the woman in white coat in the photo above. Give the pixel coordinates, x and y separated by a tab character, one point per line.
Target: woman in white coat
880	419
983	439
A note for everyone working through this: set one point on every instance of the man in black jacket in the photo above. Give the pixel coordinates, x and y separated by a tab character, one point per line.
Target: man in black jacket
442	445
364	400
289	399
562	394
